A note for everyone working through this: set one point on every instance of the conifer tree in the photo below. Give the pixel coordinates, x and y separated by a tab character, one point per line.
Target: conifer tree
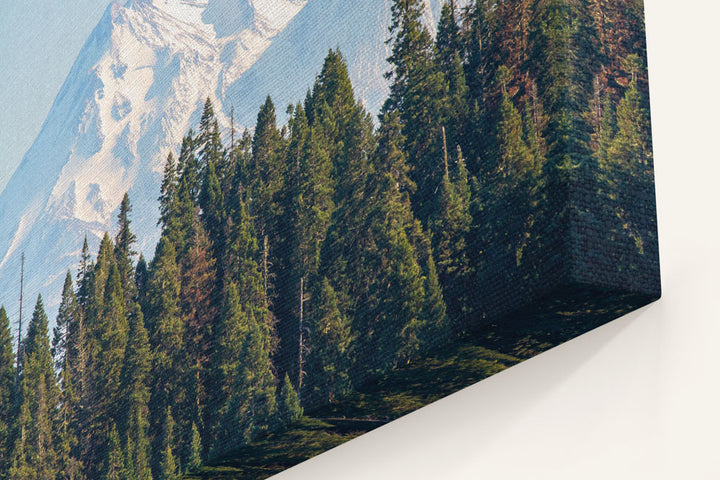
563	60
450	227
480	69
229	337
243	382
135	395
189	168
212	205
629	178
66	348
168	468
7	380
94	307
417	91
208	140
253	403
194	461
113	463
330	340
124	253
166	331
198	294
390	314
311	210
83	276
289	409
33	455
211	198
113	337
449	60
141	279
515	182
265	172
286	283
168	190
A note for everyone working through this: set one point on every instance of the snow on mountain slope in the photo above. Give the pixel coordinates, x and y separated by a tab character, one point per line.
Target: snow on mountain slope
299	50
137	86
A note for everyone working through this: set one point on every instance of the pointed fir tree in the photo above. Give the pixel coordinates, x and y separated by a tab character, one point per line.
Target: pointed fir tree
418	91
289	409
390	315
629	178
7	384
168	190
124	253
449	59
167	468
194	461
330	340
141	279
83	275
212	205
113	463
95	303
189	168
33	455
165	324
66	350
230	335
253	403
113	337
134	398
166	332
208	140
198	292
450	227
265	172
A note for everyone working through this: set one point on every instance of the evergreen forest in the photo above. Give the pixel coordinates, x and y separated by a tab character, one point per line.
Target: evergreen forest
298	262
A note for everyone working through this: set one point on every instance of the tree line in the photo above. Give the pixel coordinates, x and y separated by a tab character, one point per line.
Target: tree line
298	261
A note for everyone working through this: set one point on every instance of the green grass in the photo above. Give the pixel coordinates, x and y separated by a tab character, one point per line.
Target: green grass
488	350
397	394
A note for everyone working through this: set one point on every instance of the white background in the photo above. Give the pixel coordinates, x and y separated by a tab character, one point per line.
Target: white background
638	398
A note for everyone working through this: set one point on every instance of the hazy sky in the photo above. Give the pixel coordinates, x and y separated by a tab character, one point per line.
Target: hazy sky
39	41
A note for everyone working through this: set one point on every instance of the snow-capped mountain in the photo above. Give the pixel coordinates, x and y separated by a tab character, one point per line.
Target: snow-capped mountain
138	84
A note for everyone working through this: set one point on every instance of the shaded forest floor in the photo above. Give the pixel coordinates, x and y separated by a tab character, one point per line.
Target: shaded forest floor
480	354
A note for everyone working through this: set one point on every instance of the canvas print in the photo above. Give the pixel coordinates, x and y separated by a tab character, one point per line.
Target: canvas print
248	231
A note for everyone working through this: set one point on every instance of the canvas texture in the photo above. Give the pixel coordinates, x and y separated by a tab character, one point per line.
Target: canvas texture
250	231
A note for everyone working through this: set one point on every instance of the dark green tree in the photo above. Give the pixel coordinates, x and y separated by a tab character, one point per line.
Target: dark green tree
418	91
113	463
168	468
194	461
134	397
449	59
330	341
113	337
124	253
450	227
265	171
83	275
7	388
33	455
167	334
168	190
208	139
289	409
66	345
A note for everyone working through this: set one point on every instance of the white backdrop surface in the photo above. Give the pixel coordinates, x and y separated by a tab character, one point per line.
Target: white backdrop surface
638	398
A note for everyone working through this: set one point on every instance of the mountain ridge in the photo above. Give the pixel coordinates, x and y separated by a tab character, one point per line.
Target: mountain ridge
136	87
